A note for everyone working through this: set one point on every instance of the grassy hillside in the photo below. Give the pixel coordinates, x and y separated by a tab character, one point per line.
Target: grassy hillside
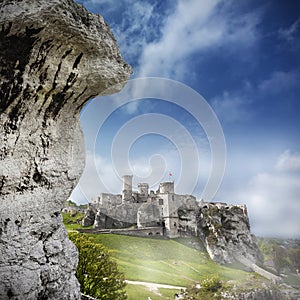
139	292
171	262
70	203
164	261
72	222
282	257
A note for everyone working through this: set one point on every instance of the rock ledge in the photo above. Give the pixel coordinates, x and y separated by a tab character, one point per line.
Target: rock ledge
55	56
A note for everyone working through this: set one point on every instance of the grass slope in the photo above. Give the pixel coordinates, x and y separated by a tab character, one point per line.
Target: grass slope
139	292
163	261
72	222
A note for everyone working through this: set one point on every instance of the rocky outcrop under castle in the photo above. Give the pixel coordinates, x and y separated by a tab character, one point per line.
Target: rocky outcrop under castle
55	56
225	231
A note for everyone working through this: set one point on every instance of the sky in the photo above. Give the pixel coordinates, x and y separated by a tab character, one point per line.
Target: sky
213	100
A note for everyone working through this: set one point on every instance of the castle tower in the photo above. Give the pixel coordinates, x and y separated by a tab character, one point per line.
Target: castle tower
170	214
166	187
127	188
143	189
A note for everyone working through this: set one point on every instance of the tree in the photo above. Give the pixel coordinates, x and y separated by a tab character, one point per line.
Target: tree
97	273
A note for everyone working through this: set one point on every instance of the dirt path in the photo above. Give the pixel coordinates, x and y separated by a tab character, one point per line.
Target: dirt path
259	270
153	287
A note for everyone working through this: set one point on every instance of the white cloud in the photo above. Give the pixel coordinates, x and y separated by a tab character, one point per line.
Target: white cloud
274	205
273	199
269	185
136	29
232	107
161	42
291	34
288	162
196	26
280	81
98	177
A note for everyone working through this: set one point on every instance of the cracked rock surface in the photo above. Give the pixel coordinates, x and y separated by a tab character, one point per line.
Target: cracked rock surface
54	57
225	231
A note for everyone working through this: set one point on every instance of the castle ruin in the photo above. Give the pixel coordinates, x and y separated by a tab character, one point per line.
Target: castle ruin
224	229
144	209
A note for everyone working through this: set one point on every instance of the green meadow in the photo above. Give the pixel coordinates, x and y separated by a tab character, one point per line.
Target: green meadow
139	292
165	261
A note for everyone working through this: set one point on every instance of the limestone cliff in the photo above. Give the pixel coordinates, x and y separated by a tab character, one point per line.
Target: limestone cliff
225	231
55	56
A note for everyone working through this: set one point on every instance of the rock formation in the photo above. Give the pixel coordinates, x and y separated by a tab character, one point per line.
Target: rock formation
225	231
55	56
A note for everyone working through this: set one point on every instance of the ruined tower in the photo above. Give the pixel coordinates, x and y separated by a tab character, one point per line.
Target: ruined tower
143	189
166	187
170	215
127	188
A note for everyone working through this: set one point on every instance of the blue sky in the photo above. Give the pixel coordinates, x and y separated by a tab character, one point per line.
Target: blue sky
243	58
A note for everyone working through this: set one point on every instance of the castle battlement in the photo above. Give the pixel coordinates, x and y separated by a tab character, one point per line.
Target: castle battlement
143	208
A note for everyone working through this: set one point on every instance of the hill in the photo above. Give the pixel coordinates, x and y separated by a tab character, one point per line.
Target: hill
170	261
177	262
282	257
164	261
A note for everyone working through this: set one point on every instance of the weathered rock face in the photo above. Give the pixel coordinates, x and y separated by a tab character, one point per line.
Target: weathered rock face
266	292
225	231
188	214
54	57
245	291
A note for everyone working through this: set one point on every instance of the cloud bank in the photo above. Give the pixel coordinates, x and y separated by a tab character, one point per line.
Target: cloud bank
273	198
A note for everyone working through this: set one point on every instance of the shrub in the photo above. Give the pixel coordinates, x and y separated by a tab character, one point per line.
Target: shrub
97	273
211	284
210	289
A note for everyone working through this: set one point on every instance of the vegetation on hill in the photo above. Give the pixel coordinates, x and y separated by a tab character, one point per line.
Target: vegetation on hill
72	222
176	262
282	257
211	288
184	262
164	261
97	273
70	203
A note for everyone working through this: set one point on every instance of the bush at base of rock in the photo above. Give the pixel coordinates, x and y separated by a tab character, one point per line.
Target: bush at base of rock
97	273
